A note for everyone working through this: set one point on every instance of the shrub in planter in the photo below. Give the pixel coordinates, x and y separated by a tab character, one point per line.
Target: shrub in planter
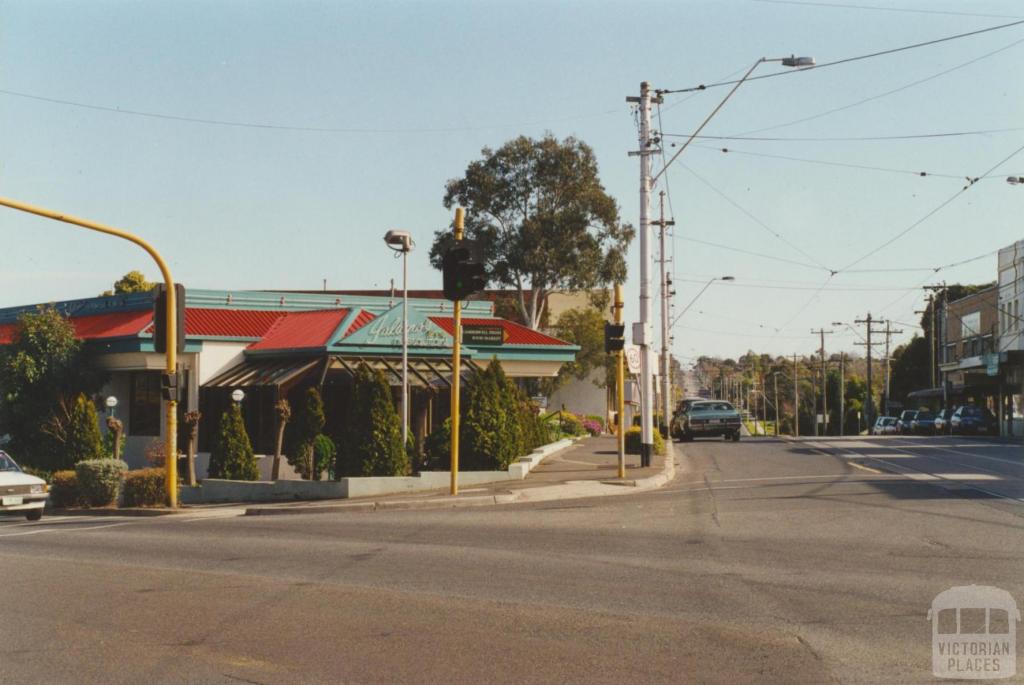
438	447
64	490
83	434
232	456
373	440
144	487
599	420
570	424
592	427
324	453
633	441
99	480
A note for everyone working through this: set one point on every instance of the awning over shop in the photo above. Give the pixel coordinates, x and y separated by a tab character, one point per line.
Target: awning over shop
429	372
257	372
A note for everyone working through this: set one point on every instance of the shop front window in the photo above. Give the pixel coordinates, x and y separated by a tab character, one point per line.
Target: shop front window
144	410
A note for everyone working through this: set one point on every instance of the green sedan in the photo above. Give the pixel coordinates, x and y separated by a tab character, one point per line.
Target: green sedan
707	419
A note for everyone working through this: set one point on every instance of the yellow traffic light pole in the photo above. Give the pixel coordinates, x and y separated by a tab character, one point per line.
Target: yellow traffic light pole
171	442
456	360
620	387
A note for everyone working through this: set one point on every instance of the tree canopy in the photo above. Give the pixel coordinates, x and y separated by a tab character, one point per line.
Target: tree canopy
542	219
131	282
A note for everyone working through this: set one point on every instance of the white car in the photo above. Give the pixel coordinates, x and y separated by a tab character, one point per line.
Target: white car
20	493
885	425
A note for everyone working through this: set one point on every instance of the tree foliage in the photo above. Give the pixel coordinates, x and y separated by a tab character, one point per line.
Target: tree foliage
131	282
373	440
232	456
583	326
542	218
42	372
83	436
303	429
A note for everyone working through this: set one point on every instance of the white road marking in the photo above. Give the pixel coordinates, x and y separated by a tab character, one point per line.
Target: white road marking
64	530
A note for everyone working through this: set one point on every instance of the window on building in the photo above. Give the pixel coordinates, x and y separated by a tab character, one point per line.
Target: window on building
144	409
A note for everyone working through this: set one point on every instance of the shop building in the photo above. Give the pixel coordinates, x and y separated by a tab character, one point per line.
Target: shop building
275	345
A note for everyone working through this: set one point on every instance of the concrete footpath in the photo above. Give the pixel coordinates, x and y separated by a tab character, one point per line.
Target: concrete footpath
586	469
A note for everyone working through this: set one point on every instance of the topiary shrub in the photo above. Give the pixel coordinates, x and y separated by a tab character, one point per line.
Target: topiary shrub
633	441
599	420
570	424
438	447
99	481
232	456
144	487
324	454
302	431
486	441
64	490
83	438
373	441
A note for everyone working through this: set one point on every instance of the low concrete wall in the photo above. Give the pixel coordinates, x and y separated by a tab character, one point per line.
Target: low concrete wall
213	491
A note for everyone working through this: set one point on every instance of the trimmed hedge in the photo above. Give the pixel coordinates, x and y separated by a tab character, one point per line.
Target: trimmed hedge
99	480
64	490
633	441
232	456
144	488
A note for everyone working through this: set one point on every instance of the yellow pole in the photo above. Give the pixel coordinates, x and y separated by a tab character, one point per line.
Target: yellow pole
456	359
620	386
171	443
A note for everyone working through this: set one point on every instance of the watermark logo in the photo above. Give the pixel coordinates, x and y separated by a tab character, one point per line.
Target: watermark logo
974	633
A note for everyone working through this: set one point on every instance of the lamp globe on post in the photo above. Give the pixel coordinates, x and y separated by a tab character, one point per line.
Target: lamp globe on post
401	242
237	395
111	403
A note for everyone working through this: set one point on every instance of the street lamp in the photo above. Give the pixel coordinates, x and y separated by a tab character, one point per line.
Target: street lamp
697	297
111	403
237	395
401	242
1015	180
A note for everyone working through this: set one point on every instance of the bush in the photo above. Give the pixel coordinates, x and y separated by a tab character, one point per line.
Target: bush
232	456
570	424
324	453
144	487
438	447
490	438
83	438
373	441
592	427
599	420
303	431
99	480
64	490
633	441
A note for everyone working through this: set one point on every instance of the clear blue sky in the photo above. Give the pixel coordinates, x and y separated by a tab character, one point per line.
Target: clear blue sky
416	89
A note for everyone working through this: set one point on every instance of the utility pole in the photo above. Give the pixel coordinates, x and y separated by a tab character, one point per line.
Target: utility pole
666	380
796	399
869	404
456	371
824	385
642	328
842	393
775	382
889	332
935	330
620	387
764	407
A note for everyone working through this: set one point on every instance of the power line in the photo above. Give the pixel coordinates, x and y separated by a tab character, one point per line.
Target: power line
933	212
288	127
847	60
806	3
751	253
849	139
878	96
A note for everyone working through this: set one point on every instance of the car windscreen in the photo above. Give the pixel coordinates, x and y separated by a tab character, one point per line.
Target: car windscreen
925	416
7	464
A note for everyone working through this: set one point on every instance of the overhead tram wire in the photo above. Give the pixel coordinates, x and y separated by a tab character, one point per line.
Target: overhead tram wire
752	253
887	93
849	139
933	212
847	60
807	3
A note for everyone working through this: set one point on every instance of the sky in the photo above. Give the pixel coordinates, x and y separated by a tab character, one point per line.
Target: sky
271	145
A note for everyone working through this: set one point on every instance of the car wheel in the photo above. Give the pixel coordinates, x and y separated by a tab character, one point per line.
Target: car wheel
34	514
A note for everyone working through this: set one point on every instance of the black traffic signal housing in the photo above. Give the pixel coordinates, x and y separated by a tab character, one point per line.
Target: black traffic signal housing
160	317
614	337
170	388
463	271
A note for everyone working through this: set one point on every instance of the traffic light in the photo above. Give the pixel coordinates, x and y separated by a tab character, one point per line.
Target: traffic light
169	387
614	337
160	317
463	271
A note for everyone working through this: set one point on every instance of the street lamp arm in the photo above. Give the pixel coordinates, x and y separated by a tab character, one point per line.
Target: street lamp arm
707	119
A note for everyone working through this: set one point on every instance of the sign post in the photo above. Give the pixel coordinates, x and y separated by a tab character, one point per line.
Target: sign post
620	388
456	359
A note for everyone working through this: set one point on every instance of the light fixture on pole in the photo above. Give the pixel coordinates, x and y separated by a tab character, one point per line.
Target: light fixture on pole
111	403
697	296
401	242
1015	180
237	395
649	146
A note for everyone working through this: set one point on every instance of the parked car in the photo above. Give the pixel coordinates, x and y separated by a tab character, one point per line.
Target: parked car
20	493
903	423
973	419
706	419
885	425
942	421
923	423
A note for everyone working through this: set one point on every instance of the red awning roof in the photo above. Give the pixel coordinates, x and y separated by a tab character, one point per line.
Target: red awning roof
364	317
515	334
295	330
96	326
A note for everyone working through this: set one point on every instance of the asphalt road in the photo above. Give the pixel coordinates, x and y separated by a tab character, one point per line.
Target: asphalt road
763	562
